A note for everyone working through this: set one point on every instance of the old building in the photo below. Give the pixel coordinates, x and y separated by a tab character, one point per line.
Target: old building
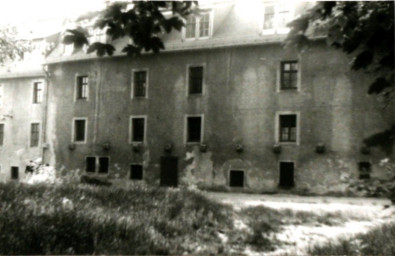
225	105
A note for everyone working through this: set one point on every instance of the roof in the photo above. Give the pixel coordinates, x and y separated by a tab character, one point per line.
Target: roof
235	23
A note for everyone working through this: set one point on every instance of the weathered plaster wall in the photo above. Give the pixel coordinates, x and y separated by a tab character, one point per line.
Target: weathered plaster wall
239	104
17	113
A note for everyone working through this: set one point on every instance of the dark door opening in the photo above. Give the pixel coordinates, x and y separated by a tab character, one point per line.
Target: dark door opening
236	178
169	171
286	175
14	173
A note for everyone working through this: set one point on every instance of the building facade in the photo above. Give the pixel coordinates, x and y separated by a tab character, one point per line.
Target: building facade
225	105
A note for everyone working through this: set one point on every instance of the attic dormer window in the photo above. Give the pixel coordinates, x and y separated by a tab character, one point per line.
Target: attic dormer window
276	17
198	27
97	35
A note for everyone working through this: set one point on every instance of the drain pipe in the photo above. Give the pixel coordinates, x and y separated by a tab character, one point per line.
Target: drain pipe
44	144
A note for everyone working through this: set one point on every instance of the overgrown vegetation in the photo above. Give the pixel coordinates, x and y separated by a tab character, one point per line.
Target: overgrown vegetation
379	241
71	219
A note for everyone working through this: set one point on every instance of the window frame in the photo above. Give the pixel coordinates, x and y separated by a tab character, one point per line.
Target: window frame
132	90
76	79
39	134
277	127
298	75
197	26
276	29
186	129
131	129
35	98
73	130
97	165
203	65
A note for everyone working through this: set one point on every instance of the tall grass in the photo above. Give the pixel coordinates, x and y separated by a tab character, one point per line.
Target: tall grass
378	241
71	219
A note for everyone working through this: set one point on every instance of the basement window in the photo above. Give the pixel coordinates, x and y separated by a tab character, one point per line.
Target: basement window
14	173
136	172
37	92
365	169
195	80
97	164
82	87
34	134
194	129
236	178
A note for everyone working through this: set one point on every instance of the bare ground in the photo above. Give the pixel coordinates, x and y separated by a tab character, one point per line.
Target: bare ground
363	213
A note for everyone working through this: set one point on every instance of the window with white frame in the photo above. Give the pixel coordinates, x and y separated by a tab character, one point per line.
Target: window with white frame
198	26
289	75
38	92
276	16
79	130
287	128
139	83
195	80
137	128
97	35
82	87
95	164
34	134
194	129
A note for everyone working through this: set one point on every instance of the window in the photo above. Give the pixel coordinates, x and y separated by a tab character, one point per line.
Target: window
364	170
82	87
194	129
137	126
34	134
195	80
97	35
139	84
1	134
97	164
236	178
289	75
37	92
197	26
276	17
14	173
1	94
79	130
287	131
136	172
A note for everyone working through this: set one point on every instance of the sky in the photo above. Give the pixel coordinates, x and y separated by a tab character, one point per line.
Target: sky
25	11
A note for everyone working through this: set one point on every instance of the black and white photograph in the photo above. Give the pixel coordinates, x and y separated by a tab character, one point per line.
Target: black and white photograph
210	127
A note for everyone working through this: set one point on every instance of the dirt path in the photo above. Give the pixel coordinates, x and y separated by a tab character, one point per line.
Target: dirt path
297	238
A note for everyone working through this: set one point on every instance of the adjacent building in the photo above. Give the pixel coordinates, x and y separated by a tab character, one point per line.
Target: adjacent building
224	105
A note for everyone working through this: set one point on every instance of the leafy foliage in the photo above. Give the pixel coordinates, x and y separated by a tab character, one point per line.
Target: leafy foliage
142	21
11	47
365	30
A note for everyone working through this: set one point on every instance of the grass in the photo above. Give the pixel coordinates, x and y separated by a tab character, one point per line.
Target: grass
378	241
71	219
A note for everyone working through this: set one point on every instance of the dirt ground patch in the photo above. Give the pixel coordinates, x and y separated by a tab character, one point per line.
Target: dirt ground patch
355	215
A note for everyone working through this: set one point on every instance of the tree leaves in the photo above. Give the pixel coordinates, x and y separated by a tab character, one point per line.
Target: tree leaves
362	60
76	37
101	49
378	85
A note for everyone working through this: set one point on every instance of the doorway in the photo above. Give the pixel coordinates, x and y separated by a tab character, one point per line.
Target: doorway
286	175
169	171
